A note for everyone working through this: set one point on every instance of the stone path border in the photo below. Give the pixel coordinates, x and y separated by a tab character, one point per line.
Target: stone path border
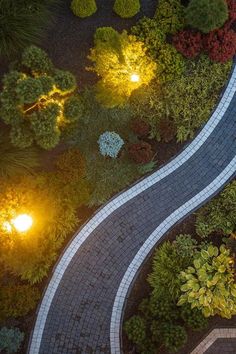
212	337
122	198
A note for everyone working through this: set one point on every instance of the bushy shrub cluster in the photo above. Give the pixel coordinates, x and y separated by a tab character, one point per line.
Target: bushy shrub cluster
83	8
188	42
126	8
206	15
38	102
140	127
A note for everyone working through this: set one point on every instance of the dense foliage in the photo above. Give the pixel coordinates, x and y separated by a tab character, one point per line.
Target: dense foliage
188	42
208	284
141	152
206	15
126	8
10	339
38	101
22	23
219	215
116	58
83	8
170	16
110	144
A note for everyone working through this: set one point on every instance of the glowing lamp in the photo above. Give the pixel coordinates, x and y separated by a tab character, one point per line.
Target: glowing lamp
134	78
22	222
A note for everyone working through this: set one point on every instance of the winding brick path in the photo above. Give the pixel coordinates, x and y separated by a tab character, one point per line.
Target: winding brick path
82	308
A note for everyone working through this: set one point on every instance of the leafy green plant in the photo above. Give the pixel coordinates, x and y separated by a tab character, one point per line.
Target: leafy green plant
186	245
208	284
148	31
83	8
10	339
126	8
193	318
17	300
206	15
135	329
39	102
122	67
170	16
219	214
22	23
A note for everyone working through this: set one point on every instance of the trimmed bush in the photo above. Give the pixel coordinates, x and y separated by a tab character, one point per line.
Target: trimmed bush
167	130
174	336
10	339
193	318
141	152
135	329
206	15
110	144
83	8
188	43
126	8
220	45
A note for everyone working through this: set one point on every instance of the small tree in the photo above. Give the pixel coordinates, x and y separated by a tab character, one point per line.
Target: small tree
38	102
122	64
209	283
206	15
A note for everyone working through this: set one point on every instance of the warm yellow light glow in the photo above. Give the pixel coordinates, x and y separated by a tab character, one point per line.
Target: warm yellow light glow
7	226
22	222
134	78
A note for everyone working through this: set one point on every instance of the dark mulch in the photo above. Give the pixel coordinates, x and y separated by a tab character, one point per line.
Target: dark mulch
141	289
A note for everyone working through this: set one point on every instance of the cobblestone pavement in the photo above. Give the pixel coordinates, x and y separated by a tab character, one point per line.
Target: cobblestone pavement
223	346
76	311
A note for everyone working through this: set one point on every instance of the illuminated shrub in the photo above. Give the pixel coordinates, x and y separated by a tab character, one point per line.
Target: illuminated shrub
116	58
140	127
38	103
206	15
83	8
148	31
220	45
126	8
110	144
17	300
188	43
170	16
141	152
10	339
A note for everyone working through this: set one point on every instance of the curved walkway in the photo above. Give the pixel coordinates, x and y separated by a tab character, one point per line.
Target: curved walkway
82	307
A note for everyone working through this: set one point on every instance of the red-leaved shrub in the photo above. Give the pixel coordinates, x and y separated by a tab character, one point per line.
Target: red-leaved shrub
188	42
141	152
221	44
167	130
139	127
232	9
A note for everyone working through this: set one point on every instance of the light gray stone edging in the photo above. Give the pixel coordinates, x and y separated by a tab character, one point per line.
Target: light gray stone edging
212	337
116	320
114	204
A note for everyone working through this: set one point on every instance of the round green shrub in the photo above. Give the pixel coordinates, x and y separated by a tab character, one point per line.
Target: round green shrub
135	329
36	59
73	108
65	81
83	8
21	136
174	336
29	90
206	15
126	8
193	317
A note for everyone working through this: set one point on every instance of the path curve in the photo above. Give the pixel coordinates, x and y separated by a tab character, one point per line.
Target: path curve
81	310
